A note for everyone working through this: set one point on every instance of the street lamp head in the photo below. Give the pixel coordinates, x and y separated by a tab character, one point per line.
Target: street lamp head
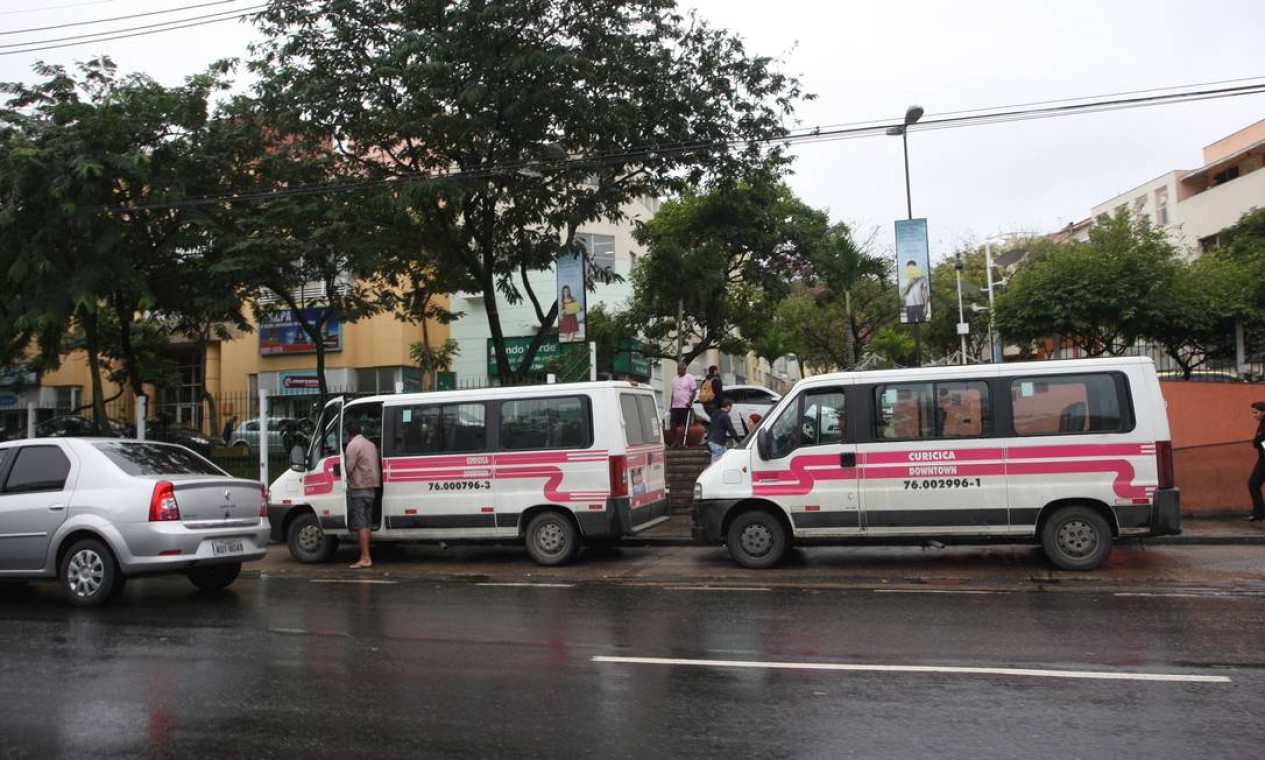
913	114
957	261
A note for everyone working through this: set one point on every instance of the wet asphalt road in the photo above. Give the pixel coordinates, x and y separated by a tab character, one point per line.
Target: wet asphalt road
401	665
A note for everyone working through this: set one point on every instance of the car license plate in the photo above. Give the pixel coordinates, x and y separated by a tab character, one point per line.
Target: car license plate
225	546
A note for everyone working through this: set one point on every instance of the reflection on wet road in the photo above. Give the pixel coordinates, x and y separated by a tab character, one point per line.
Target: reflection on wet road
291	667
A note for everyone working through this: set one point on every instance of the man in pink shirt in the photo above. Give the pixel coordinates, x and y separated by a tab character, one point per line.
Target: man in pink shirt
683	387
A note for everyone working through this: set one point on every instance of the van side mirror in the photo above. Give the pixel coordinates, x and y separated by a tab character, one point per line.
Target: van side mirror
764	443
298	458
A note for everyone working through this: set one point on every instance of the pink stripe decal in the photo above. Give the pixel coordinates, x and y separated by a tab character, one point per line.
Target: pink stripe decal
316	483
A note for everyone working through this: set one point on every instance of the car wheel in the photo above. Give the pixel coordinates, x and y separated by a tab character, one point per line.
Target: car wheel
552	539
214	577
756	540
89	575
307	542
1076	538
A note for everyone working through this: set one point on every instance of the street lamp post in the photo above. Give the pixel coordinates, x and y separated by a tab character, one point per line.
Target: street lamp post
963	326
912	115
994	345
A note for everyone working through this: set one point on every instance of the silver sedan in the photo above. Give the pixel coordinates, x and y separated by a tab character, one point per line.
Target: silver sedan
93	512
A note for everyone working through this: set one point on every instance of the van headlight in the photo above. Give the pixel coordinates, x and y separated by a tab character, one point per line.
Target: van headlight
698	491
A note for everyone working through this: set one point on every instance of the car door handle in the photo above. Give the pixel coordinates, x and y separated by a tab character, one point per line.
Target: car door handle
56	507
848	459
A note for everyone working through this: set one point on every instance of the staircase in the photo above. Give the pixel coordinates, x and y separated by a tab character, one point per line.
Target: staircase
682	469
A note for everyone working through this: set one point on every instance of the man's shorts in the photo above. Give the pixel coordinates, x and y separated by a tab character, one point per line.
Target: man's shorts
680	416
359	511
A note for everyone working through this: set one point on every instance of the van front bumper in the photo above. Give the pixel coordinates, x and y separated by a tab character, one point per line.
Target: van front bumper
708	519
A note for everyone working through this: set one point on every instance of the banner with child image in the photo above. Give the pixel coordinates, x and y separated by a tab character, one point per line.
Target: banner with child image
571	308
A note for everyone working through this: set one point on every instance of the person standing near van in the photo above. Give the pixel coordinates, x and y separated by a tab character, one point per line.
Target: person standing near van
683	387
712	392
360	461
1257	480
720	430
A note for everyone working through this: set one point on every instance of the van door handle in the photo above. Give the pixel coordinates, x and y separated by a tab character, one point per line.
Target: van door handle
338	470
848	459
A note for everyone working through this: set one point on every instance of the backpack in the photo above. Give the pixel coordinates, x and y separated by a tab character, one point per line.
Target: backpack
706	394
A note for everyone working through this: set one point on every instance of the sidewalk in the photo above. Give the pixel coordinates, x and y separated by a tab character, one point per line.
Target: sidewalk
1218	529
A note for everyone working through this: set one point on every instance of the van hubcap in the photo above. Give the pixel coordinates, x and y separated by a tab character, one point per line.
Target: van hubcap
756	540
1077	538
550	539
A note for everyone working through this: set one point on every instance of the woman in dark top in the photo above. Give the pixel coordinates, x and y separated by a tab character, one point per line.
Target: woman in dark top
1255	482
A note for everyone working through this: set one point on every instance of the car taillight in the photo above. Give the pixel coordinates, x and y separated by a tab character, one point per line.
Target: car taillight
162	505
619	476
1164	463
263	505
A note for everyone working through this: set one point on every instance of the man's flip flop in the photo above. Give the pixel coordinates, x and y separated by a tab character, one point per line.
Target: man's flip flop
361	565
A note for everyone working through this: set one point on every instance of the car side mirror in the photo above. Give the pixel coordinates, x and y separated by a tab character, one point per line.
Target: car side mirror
764	443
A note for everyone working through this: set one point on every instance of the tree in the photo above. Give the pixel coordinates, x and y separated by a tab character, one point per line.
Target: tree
1101	295
724	259
517	122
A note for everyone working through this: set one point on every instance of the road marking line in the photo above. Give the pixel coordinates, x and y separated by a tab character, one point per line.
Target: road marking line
932	591
354	580
530	585
716	588
1029	672
1190	594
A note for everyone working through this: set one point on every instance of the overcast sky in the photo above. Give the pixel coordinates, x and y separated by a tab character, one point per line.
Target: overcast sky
868	61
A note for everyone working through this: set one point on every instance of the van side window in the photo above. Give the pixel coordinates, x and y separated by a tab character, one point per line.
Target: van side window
818	417
1067	404
545	423
918	411
435	429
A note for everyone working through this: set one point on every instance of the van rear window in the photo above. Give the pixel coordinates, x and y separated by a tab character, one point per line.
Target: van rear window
641	419
1068	404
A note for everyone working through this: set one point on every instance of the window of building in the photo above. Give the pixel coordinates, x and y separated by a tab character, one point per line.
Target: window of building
1225	175
598	249
1161	206
1068	404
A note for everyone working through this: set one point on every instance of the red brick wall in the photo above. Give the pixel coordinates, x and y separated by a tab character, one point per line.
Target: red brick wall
1212	429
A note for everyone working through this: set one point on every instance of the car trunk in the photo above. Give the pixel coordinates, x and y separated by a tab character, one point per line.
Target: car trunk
208	503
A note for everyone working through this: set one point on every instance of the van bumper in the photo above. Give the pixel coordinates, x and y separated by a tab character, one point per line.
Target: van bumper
1167	517
277	520
622	519
708	519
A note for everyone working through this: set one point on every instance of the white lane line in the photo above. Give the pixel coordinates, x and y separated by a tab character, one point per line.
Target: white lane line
306	632
1027	672
716	588
1190	594
932	591
355	580
530	585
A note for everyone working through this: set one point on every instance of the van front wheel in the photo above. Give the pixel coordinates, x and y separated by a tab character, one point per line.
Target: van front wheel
307	542
756	540
1076	538
552	539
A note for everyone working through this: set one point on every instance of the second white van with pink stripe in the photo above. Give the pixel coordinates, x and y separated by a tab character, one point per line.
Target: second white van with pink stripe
1068	454
553	467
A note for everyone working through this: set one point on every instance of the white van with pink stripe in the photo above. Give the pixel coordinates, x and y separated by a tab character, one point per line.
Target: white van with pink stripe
1068	454
551	466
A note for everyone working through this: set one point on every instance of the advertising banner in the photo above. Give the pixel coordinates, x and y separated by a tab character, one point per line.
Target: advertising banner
517	347
913	270
281	333
571	300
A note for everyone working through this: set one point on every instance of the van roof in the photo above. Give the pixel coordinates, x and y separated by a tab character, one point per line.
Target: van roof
959	371
517	391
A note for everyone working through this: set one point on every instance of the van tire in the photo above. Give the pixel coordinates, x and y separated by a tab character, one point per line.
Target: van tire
1076	538
552	539
307	542
756	540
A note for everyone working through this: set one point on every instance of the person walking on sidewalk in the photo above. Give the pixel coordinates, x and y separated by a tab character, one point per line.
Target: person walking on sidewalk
712	392
720	430
683	387
360	461
1257	480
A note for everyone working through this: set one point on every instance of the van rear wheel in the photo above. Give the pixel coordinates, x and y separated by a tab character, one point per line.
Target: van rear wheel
1076	538
552	539
756	540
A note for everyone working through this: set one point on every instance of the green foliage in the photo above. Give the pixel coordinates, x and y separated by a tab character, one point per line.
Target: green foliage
484	110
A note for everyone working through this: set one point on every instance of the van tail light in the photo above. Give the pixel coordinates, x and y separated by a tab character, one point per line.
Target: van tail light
619	476
162	505
263	504
1164	463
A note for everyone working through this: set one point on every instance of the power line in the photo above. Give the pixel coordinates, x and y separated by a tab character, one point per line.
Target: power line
641	153
44	8
152	29
116	18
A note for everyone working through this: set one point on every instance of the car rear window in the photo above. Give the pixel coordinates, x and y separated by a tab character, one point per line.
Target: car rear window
138	458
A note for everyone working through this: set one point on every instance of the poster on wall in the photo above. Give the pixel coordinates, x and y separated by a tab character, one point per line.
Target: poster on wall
281	333
571	306
913	270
